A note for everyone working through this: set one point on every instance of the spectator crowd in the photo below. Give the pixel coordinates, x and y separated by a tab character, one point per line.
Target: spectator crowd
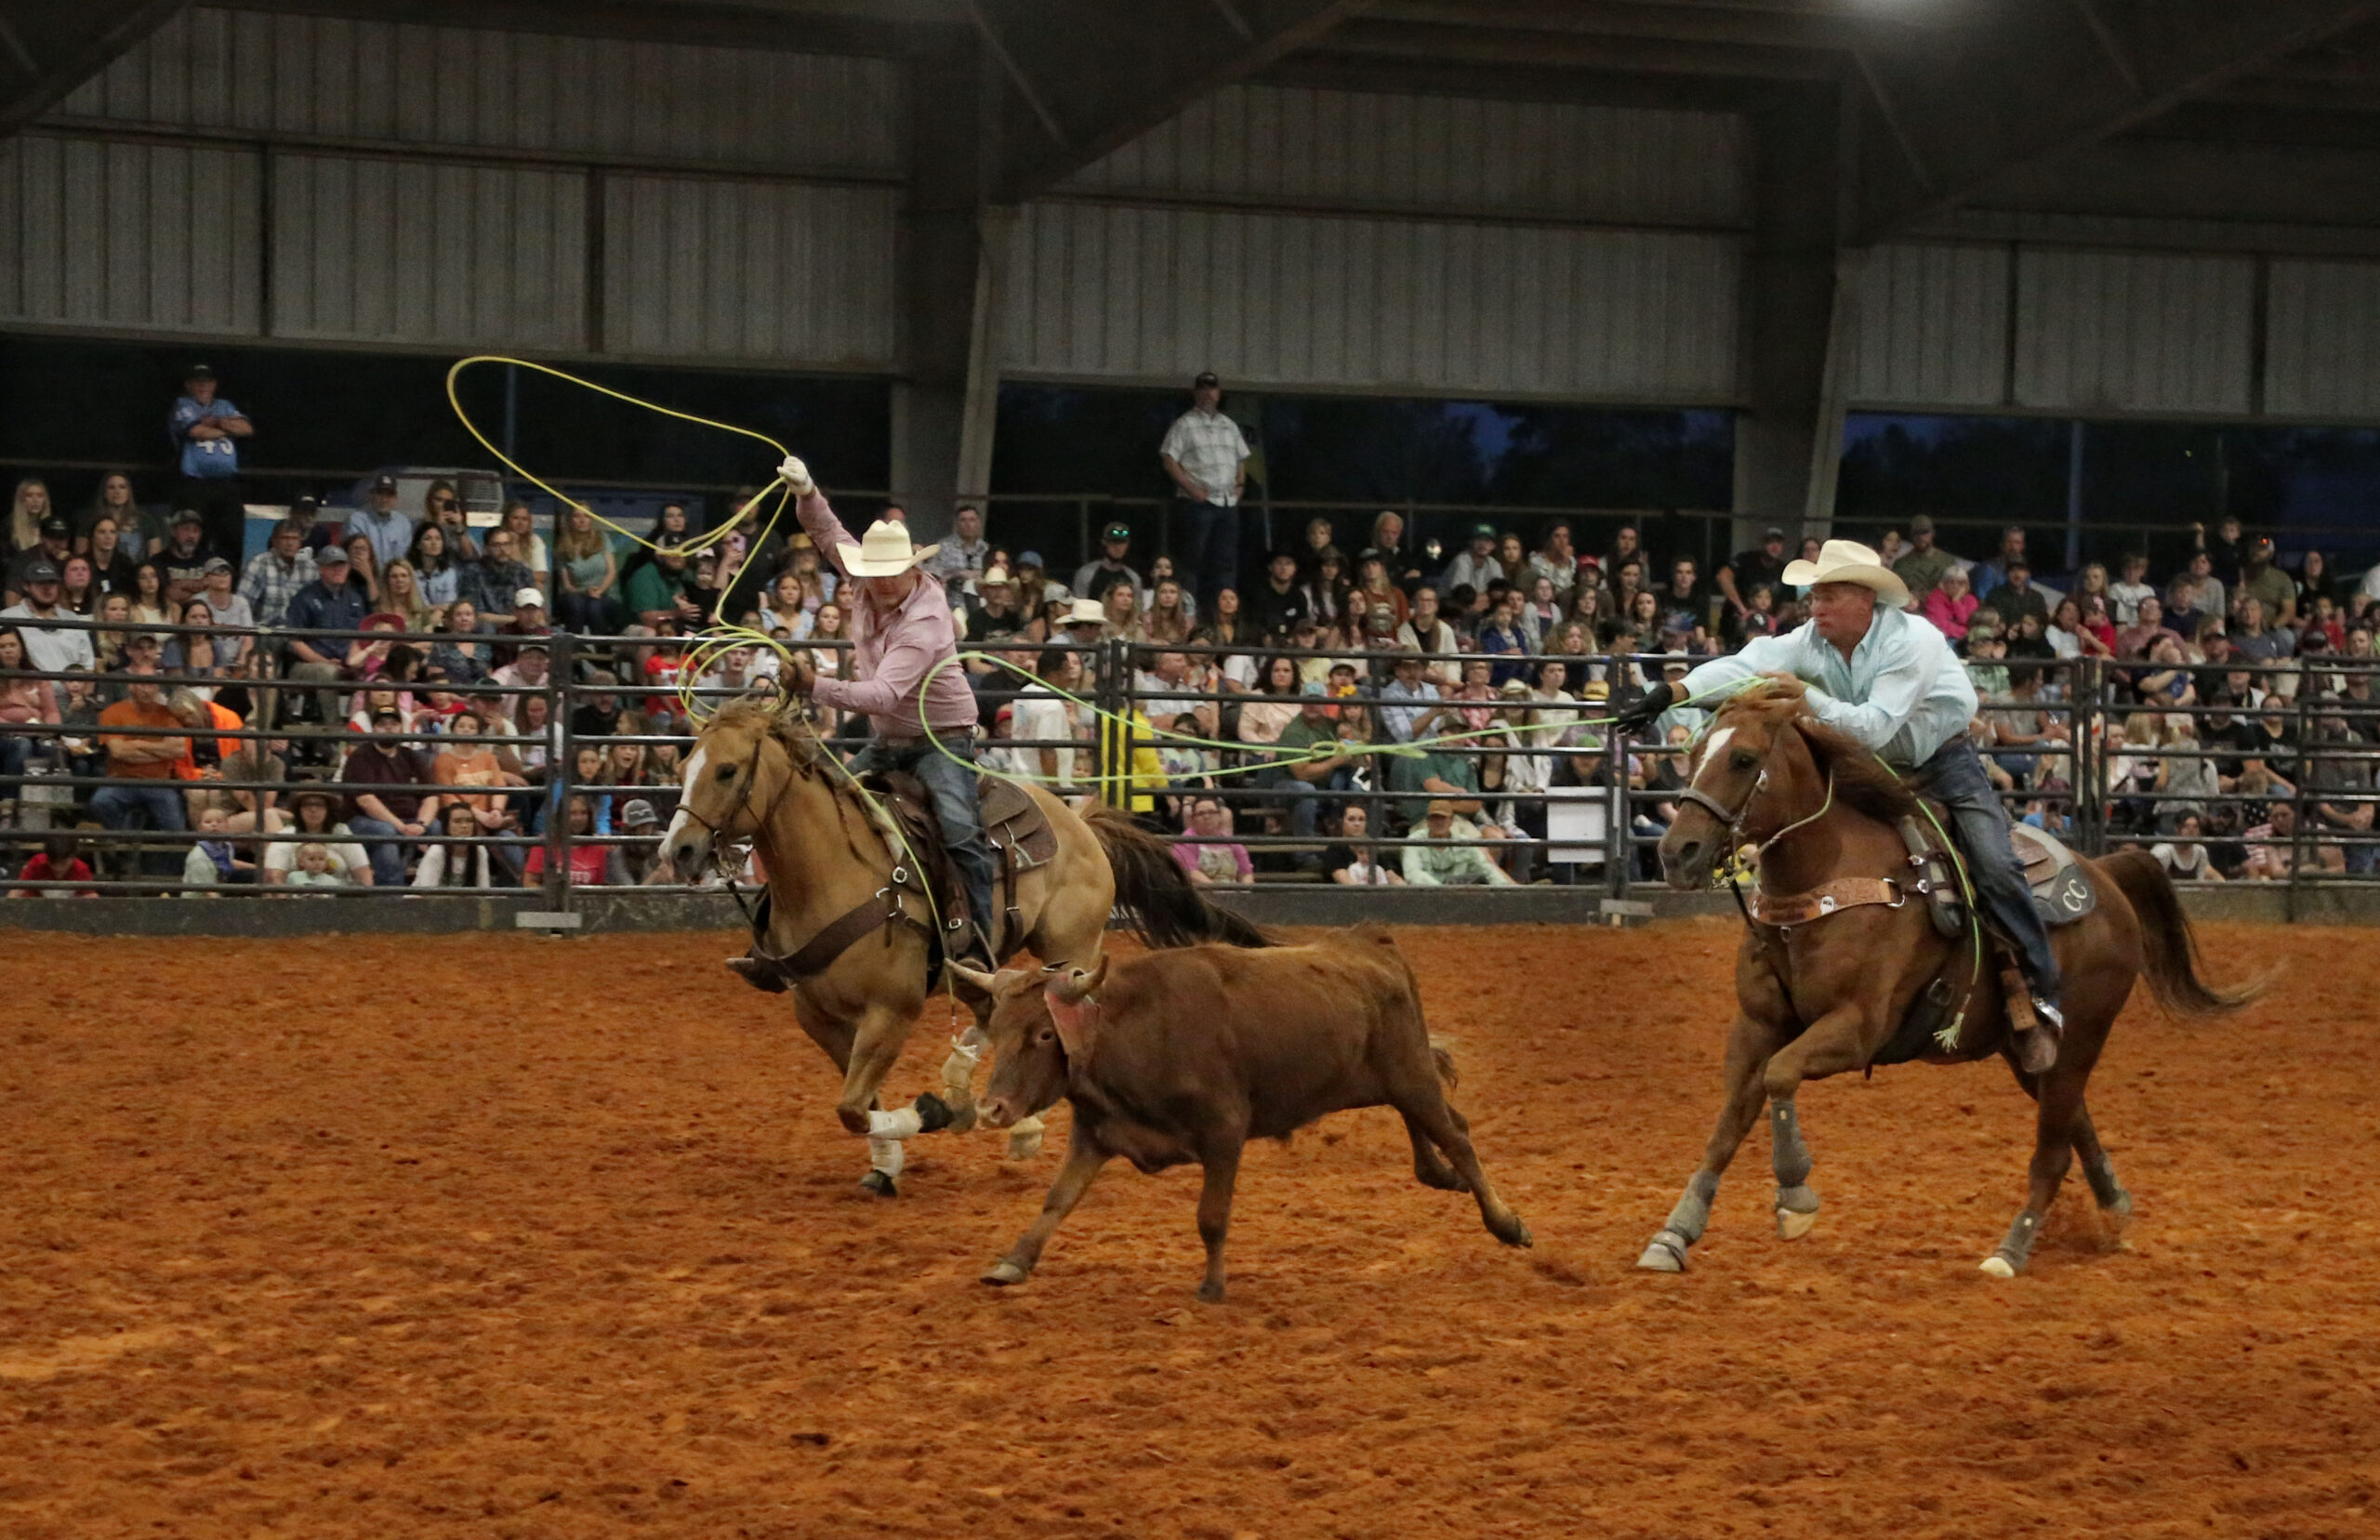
369	700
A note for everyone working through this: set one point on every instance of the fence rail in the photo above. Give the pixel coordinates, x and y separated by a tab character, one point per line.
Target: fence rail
1256	764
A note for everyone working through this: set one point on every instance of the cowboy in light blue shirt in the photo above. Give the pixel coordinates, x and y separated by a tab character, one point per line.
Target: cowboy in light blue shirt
1889	679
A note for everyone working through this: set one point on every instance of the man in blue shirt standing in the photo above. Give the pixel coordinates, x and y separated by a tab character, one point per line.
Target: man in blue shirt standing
206	431
1889	679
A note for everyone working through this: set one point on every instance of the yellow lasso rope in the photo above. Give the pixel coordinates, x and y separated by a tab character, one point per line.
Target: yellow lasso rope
692	547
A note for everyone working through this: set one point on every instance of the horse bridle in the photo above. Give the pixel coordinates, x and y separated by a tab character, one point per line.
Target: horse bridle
1732	822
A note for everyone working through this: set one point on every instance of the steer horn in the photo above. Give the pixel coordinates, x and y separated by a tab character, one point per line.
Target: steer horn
1076	985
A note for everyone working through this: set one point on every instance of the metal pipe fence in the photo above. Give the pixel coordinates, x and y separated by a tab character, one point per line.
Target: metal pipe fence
1256	764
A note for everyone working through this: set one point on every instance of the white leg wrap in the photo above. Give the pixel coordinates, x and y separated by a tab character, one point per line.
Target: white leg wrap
894	1125
884	1154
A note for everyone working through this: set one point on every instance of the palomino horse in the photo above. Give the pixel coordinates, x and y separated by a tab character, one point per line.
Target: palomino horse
1817	998
759	772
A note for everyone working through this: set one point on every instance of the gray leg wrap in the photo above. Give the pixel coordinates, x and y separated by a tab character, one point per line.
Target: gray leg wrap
1793	1156
2102	1174
1666	1252
1692	1214
2018	1249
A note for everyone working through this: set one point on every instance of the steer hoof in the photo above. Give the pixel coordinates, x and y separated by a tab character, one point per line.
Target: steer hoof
1210	1292
879	1184
962	1118
1996	1266
1001	1274
1024	1144
934	1114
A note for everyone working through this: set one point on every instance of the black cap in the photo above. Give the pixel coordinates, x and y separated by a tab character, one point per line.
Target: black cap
186	516
54	528
1117	532
387	714
305	500
197	372
1206	376
384	483
41	571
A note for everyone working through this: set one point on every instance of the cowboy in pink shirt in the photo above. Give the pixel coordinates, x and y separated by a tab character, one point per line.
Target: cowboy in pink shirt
900	629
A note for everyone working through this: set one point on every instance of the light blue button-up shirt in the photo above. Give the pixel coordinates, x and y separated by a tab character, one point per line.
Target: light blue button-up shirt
1902	692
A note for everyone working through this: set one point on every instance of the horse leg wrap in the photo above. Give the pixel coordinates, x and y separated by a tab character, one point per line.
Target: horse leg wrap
1791	1156
884	1154
2018	1249
1692	1215
2100	1173
891	1126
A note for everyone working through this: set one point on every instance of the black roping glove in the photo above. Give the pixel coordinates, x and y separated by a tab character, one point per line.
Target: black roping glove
1641	711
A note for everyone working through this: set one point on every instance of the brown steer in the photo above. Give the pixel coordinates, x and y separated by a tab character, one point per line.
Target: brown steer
1187	1054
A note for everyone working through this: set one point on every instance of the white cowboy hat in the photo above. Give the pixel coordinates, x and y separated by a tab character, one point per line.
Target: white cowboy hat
884	551
1849	561
1087	612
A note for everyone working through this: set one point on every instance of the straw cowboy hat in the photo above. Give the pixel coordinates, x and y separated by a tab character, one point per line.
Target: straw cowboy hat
884	551
1086	612
1849	561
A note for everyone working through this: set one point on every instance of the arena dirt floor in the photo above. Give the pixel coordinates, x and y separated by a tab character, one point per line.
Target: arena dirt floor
509	1236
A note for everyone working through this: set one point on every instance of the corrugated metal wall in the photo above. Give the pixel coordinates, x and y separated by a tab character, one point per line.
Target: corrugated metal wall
1159	293
1290	144
374	250
2118	331
2323	347
140	236
745	269
456	85
1933	326
2092	332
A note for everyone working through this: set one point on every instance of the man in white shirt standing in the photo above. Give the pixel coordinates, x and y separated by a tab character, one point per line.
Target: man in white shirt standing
1207	455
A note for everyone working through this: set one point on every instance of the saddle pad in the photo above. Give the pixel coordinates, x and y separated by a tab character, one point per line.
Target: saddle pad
2061	893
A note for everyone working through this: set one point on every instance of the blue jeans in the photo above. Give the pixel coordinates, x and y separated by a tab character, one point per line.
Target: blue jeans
1210	545
115	805
14	751
388	856
951	778
1955	776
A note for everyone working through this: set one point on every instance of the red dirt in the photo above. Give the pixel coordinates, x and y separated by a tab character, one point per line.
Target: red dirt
558	1238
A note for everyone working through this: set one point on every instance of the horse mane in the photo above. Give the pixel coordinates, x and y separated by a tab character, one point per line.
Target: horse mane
1862	781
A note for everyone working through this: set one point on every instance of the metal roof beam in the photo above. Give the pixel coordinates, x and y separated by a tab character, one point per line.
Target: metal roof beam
46	50
1086	76
1573	51
2051	78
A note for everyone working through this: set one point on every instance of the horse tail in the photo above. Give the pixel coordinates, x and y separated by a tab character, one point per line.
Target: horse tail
1163	905
2172	945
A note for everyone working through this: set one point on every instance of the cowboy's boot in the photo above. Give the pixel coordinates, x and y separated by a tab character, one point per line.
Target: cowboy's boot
757	973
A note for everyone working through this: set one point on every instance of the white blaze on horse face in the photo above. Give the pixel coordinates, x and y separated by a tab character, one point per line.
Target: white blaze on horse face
677	820
1716	747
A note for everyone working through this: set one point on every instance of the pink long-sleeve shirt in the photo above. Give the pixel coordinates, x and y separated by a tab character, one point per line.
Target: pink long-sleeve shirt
893	649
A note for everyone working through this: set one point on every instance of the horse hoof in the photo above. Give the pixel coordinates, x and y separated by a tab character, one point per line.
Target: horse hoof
1210	1293
879	1184
934	1114
1662	1256
1024	1146
1792	1226
1996	1266
1003	1273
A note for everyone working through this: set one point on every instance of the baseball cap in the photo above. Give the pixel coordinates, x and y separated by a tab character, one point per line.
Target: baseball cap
304	502
1922	524
41	571
196	372
387	714
186	516
1774	532
1514	687
1441	807
522	597
1483	532
216	564
1206	376
1028	559
384	483
54	528
1117	532
1313	687
330	556
638	811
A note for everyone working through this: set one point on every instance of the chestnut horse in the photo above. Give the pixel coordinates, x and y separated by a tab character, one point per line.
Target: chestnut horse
760	772
1817	998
